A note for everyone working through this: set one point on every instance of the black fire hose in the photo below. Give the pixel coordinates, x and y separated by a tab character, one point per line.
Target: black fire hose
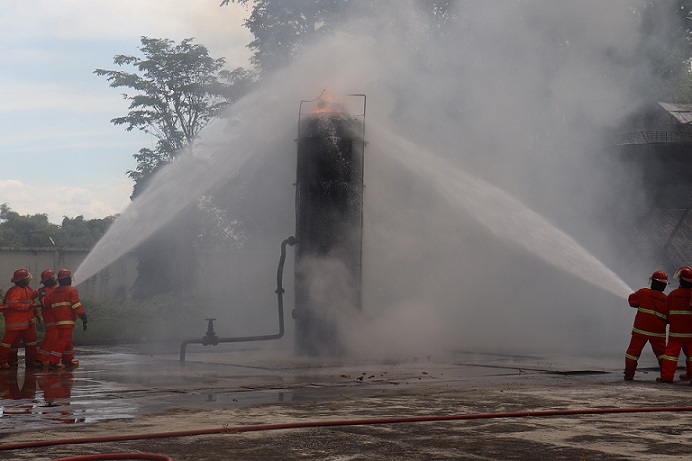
210	337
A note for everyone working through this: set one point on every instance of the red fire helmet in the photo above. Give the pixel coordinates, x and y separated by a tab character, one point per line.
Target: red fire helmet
660	276
47	274
686	273
64	273
21	274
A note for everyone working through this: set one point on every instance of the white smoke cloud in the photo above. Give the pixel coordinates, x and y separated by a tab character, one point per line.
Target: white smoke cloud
511	96
515	93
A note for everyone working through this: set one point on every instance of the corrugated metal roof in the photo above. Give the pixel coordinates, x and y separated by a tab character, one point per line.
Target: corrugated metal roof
681	112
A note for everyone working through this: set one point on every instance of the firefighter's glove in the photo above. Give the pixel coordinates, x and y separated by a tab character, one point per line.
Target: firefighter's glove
84	321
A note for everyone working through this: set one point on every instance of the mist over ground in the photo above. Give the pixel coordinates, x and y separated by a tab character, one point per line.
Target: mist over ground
502	106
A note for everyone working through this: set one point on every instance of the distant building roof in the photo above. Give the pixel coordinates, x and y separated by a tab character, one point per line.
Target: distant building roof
681	112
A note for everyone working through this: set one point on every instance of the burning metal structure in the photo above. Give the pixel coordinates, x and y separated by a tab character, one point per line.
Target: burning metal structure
329	229
329	221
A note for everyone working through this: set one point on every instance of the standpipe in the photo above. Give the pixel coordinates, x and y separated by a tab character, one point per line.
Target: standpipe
210	338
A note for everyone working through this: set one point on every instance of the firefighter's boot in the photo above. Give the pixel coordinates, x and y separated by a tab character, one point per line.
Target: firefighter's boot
630	368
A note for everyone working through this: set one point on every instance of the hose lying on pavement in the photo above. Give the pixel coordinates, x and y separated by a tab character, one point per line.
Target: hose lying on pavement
110	456
344	422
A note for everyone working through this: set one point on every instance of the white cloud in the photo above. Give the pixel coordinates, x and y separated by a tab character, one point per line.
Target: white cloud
32	138
92	201
55	113
20	96
219	28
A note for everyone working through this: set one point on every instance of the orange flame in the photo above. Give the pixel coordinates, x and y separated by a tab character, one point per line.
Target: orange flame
326	104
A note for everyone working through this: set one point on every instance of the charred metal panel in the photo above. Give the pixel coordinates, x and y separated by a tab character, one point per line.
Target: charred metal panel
329	218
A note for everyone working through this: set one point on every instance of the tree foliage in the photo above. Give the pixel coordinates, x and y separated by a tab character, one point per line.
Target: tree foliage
83	233
177	90
282	28
666	43
36	231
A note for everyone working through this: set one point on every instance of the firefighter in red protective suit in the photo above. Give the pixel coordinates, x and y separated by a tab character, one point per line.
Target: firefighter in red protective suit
679	314
13	358
19	318
66	307
48	281
649	323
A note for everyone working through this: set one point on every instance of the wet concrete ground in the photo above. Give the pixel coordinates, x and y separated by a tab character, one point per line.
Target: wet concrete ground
124	392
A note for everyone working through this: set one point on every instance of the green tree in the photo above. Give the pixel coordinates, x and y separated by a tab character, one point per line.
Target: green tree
664	50
25	231
178	89
666	33
36	231
282	28
83	233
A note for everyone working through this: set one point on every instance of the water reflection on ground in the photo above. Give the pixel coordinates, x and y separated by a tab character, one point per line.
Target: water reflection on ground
130	382
32	398
120	383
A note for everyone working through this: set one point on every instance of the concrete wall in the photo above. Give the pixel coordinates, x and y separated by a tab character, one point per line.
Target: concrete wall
245	274
114	282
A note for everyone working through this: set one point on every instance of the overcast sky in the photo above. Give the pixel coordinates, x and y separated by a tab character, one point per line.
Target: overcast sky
59	152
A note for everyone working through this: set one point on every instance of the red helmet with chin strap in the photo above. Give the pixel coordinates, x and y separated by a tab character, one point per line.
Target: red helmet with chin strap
21	274
686	274
660	276
64	273
678	272
46	275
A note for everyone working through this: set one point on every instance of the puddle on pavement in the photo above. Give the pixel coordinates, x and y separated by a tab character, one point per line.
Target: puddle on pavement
33	399
30	399
119	384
